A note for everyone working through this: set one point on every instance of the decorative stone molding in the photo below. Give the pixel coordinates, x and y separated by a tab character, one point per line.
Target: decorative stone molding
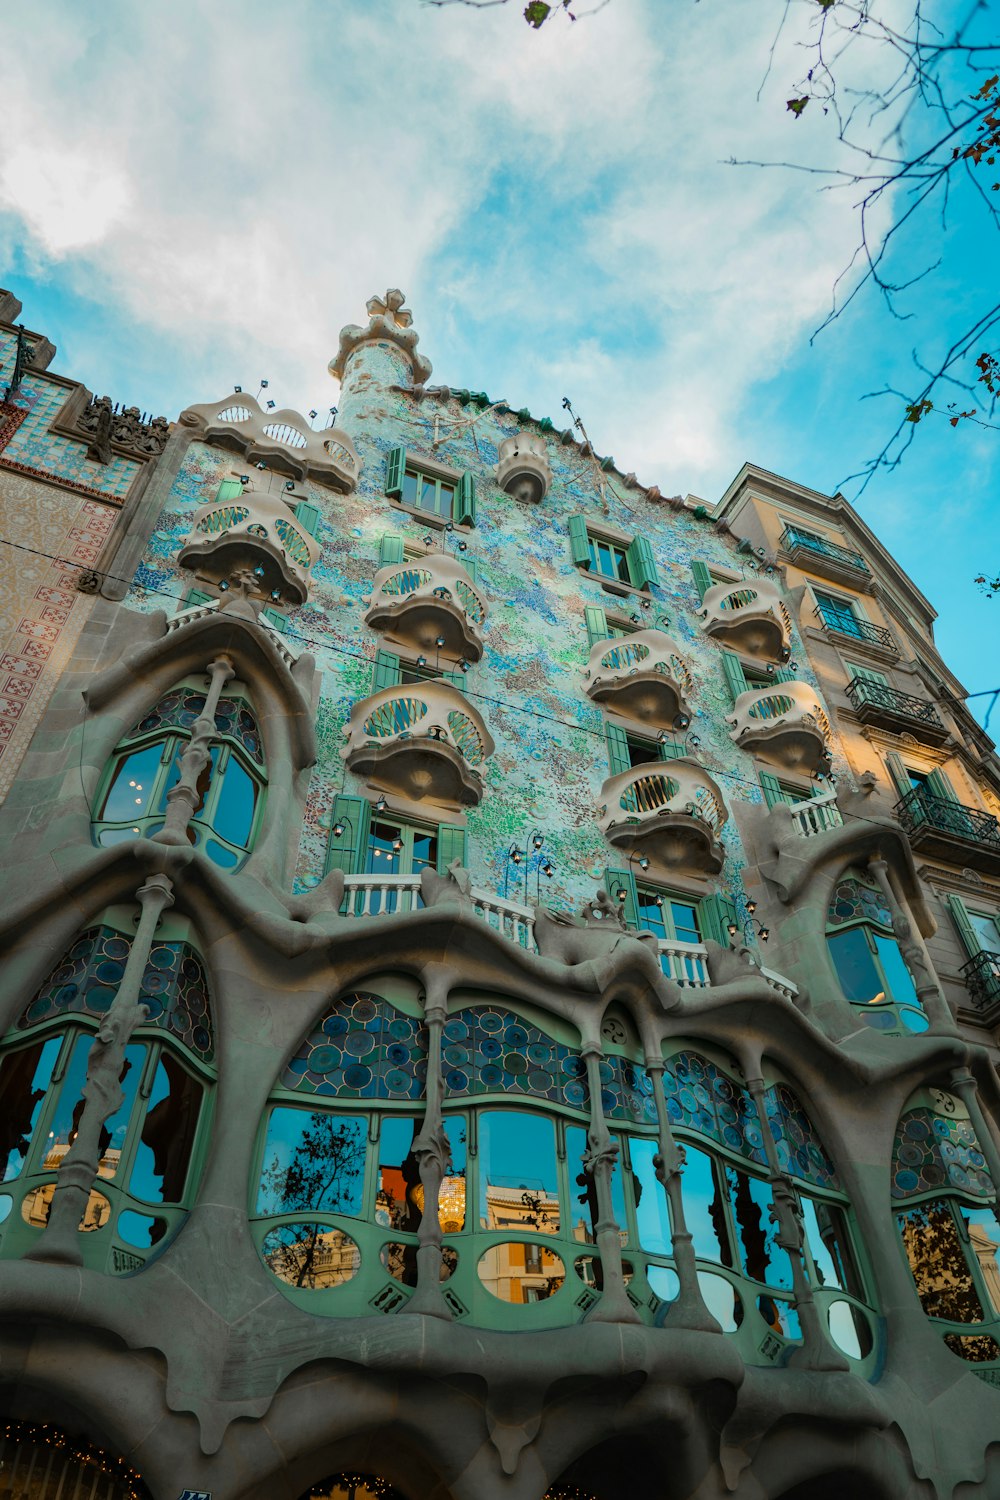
389	319
425	600
109	430
281	439
424	742
524	470
749	616
255	536
671	811
785	724
643	676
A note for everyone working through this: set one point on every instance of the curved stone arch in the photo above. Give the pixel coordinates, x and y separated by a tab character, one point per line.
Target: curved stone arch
800	1459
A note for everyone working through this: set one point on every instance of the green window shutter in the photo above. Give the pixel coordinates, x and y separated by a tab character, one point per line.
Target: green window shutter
195	597
618	756
868	674
308	516
597	623
273	618
672	750
735	680
899	773
348	852
229	489
966	931
465	500
702	577
772	789
471	566
457	680
714	916
623	880
451	845
395	467
386	672
391	550
579	542
939	786
785	674
642	567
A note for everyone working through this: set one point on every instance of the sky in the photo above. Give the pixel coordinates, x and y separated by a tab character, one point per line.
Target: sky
195	197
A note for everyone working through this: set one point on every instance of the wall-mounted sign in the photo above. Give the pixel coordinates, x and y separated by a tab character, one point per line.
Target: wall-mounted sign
196	1495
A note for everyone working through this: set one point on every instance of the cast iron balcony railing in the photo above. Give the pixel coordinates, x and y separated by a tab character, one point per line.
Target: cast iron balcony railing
837	558
946	829
878	703
842	622
643	676
672	813
750	617
420	742
429	605
982	979
784	722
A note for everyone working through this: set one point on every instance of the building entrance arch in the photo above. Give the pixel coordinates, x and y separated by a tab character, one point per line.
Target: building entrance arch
352	1487
39	1461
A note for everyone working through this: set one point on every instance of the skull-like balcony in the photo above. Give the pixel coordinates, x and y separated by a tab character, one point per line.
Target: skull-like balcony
749	617
524	470
429	605
422	742
671	812
252	533
643	677
784	724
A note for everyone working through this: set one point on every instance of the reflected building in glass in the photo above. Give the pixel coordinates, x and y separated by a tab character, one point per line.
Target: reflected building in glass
500	968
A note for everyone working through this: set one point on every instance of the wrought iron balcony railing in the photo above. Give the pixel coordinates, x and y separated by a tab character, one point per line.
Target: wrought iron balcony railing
843	623
879	701
982	978
792	539
937	823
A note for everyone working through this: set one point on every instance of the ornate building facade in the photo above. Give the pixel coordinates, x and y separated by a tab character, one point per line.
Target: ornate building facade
501	968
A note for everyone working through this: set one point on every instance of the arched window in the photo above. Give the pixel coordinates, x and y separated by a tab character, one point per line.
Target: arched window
144	766
150	1145
871	969
352	1487
945	1198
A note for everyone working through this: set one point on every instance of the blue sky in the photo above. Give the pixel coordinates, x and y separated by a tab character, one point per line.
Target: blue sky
201	197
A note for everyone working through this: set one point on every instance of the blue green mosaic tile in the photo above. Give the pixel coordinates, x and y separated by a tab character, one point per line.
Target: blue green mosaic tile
363	1048
931	1151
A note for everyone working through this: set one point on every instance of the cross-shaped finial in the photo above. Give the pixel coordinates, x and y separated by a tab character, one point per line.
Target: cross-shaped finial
391	307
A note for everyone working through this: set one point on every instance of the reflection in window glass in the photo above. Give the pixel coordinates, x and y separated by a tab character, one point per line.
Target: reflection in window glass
128	794
756	1231
400	1195
451	1197
314	1161
585	1220
780	1317
664	1282
518	1181
66	1118
855	966
314	1257
234	808
24	1080
943	1278
897	975
521	1273
703	1208
830	1246
722	1301
984	1241
651	1211
162	1156
140	1230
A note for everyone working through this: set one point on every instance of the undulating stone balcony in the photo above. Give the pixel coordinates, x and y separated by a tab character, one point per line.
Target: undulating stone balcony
428	605
642	676
785	724
878	703
671	811
524	470
424	742
256	534
748	617
950	830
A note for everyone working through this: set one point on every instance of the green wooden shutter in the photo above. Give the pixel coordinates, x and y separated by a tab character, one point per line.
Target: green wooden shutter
642	567
939	786
579	542
395	467
899	773
273	618
772	789
618	756
308	516
391	549
465	500
672	749
386	673
735	680
229	489
785	674
702	577
623	880
597	623
457	680
195	597
966	931
451	845
868	674
471	566
348	852
714	916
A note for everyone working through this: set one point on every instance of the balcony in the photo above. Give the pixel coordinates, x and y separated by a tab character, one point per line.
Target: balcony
253	534
672	814
828	559
748	617
982	979
643	677
817	815
785	724
524	470
950	830
877	703
428	606
843	623
424	743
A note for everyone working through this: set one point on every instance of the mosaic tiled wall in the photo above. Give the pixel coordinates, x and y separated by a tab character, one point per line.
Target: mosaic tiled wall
551	756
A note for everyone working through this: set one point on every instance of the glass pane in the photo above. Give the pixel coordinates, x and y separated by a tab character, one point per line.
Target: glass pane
986	931
312	1160
756	1232
651	1211
594	561
685	919
606	559
451	1199
621	565
220	854
984	1239
140	1230
314	1257
780	1317
428	493
521	1273
385	843
849	1329
409	488
896	973
424	853
518	1181
651	914
24	1080
159	1171
585	1221
722	1301
133	782
66	1118
446	499
703	1208
829	1244
641	752
234	809
855	966
663	1282
400	1196
940	1270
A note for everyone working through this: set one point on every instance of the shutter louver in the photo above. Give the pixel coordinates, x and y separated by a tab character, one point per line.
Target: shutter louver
735	680
772	789
395	467
966	931
642	569
597	623
347	853
391	550
623	880
465	500
715	914
579	542
229	490
702	577
386	673
618	756
308	516
451	845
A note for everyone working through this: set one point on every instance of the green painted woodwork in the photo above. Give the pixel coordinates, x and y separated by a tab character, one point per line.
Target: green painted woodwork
348	852
308	516
597	623
579	542
392	549
465	500
395	467
702	577
451	846
733	671
642	567
386	672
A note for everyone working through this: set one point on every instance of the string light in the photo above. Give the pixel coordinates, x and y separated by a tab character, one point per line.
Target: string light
129	1484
